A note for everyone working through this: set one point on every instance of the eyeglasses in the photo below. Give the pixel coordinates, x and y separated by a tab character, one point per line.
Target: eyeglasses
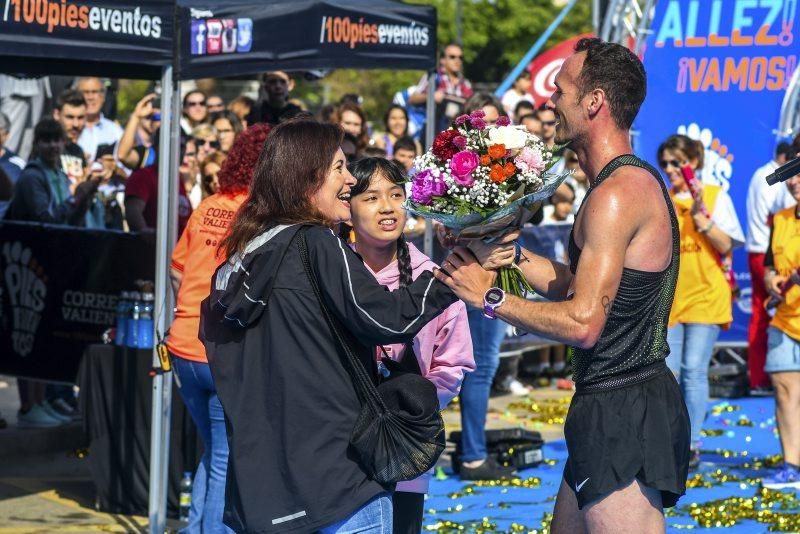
207	142
196	103
549	123
449	56
675	163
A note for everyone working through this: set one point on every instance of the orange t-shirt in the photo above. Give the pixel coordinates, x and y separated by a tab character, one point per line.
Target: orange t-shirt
196	257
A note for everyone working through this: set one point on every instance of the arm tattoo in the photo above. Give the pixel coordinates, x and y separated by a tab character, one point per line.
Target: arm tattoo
607	304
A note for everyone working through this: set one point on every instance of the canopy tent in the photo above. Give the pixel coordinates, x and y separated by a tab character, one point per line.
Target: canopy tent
188	39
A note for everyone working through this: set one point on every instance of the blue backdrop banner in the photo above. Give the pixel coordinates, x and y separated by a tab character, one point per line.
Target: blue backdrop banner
717	71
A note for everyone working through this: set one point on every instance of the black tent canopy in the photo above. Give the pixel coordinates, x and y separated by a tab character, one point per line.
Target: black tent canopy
187	39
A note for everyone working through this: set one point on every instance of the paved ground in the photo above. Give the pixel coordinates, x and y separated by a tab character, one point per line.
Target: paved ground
45	486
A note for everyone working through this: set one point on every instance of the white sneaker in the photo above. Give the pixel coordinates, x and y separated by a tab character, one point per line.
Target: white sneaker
36	417
518	389
65	409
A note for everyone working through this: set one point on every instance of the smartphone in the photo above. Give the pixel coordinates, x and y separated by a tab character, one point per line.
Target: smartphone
96	167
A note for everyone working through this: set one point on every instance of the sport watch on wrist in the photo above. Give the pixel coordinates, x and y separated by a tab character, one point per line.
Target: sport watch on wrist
493	299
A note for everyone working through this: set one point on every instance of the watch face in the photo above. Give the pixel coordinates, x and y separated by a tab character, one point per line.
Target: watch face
494	296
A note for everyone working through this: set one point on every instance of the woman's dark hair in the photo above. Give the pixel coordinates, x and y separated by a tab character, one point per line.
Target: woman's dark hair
231	117
405	143
364	171
618	72
238	168
389	112
693	149
292	167
48	141
481	99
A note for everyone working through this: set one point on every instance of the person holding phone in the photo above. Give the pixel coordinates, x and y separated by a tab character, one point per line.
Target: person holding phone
137	146
709	230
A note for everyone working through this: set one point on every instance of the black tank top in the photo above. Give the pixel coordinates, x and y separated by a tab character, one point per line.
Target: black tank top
635	334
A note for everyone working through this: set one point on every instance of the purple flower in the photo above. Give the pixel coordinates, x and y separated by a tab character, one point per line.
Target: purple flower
438	187
477	114
460	141
461	119
421	192
462	165
478	124
503	121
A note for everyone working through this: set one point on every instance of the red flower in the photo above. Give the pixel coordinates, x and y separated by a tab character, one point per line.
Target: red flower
443	147
497	174
509	169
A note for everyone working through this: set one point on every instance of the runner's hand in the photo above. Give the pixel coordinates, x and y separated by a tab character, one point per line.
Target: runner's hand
495	255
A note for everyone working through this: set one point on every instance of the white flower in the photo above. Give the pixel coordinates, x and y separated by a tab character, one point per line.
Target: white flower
512	137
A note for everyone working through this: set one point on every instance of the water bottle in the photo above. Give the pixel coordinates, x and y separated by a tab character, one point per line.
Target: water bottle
132	330
185	495
123	311
145	326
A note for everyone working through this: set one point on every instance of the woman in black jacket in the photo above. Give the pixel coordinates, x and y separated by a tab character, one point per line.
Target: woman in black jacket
289	402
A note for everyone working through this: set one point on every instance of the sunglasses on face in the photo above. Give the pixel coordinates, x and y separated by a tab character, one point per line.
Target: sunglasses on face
673	162
454	57
200	103
207	142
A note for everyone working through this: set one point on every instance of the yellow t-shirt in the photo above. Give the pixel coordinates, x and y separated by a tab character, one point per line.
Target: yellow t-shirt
703	295
786	257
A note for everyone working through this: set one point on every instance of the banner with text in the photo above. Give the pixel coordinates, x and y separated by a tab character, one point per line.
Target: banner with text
79	37
235	38
717	71
58	292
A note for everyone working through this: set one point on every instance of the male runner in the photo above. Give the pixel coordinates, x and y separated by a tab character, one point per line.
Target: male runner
627	431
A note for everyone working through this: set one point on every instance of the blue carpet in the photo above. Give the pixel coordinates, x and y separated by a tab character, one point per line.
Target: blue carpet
739	448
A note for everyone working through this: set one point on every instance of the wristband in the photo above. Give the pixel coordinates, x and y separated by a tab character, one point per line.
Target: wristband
517	252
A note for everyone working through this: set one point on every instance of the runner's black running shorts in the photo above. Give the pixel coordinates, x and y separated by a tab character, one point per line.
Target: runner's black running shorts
639	431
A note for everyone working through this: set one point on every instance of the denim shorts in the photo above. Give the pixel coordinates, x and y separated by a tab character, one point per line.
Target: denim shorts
783	352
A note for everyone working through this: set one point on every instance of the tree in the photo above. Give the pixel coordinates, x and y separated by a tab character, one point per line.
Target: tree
498	33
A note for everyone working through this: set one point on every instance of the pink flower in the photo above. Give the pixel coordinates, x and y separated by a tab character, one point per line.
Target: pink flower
530	159
503	121
460	141
438	187
477	114
461	119
478	124
462	165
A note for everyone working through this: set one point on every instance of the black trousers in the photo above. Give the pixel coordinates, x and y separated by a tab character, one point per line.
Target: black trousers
407	508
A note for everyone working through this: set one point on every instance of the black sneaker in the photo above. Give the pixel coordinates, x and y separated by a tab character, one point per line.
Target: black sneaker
488	470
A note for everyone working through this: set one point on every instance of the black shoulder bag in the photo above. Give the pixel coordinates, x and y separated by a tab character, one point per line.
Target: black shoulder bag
399	433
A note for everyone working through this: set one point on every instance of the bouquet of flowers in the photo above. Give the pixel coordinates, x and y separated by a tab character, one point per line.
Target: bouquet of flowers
481	181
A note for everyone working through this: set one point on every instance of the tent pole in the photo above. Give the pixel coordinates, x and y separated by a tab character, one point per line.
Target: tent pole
430	133
163	305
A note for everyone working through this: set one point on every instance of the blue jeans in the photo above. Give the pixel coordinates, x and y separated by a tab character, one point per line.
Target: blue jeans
690	348
487	336
375	517
208	488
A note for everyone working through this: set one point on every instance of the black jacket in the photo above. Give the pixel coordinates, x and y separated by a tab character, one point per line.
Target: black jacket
34	200
289	402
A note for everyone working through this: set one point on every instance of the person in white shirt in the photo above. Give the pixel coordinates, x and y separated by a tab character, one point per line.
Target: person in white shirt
519	91
98	130
763	201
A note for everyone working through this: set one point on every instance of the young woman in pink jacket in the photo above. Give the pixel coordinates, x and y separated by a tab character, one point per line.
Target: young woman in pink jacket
443	348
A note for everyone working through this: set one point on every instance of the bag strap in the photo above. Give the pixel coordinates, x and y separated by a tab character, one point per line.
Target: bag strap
364	386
